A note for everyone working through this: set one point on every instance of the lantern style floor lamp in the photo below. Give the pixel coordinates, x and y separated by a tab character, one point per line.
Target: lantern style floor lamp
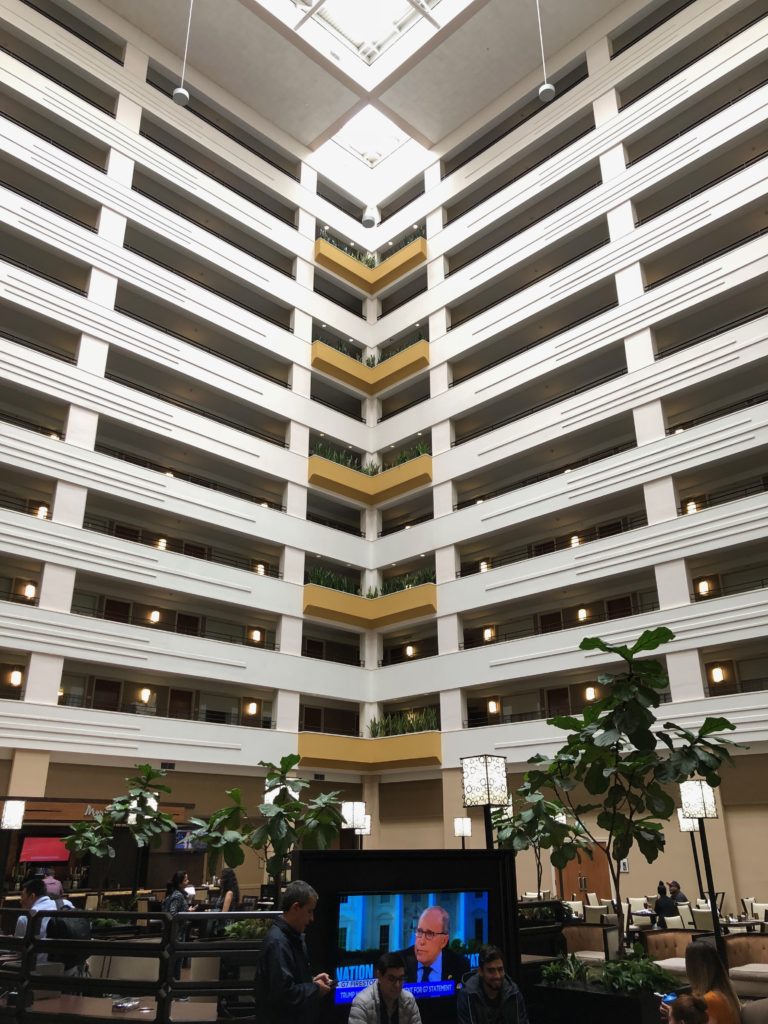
462	829
698	800
484	782
353	813
365	828
691	825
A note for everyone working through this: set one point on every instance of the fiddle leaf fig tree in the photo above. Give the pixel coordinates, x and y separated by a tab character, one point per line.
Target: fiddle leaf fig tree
223	833
612	771
541	825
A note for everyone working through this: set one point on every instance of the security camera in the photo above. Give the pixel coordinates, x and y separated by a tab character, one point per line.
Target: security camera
546	92
371	216
181	96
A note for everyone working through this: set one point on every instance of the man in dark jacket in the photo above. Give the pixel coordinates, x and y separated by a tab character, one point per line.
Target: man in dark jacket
489	996
285	987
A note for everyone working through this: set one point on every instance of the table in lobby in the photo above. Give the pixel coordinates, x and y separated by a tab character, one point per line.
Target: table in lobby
93	1006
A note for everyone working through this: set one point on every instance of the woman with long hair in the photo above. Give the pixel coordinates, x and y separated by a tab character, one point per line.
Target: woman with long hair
229	893
177	902
709	980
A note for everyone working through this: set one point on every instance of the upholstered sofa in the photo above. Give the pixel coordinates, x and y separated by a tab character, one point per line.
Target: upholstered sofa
747	959
666	946
592	943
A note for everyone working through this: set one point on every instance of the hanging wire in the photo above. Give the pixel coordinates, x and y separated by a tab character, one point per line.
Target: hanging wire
186	43
541	40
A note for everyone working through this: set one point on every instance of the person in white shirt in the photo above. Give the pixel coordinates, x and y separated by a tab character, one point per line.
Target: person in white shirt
35	900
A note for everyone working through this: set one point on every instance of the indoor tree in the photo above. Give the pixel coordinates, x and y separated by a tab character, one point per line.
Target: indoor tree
616	762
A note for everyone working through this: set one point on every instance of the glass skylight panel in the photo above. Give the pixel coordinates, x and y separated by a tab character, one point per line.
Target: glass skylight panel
370	136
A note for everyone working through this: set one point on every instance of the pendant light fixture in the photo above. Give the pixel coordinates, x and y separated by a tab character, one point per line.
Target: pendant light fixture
546	90
180	94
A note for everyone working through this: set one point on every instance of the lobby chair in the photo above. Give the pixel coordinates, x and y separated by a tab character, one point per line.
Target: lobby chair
674	922
703	919
591	943
747	962
593	915
748	902
684	909
666	947
592	899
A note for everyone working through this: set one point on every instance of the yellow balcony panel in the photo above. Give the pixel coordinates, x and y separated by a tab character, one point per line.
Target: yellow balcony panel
351	483
370	613
370	279
370	379
368	754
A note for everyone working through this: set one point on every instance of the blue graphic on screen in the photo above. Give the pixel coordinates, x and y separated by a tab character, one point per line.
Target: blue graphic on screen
438	934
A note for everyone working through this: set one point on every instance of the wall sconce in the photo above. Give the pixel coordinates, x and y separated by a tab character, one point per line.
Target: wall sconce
55	435
168	473
575	540
260	569
256	636
691	507
30	591
590	693
582	614
251	708
717	674
479	501
16	677
154	616
162	543
42	512
145	694
13	814
489	633
703	587
410	650
493	707
485	566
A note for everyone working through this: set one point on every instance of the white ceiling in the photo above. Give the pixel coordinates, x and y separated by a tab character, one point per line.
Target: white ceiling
461	70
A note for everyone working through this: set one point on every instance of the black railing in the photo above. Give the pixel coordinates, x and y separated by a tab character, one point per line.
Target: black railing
338	408
335	524
204	285
46	13
53	142
26	505
40	428
137	707
567	468
211	231
726	590
402	302
724	410
537	408
639	607
52	78
694	60
406	525
476	719
230	135
406	239
262	435
529	284
209	174
47	206
651	28
193	549
693	504
697	122
508	131
28	343
402	408
20	598
200	481
575	539
398	655
197	344
348	302
336	656
533	344
41	273
170	626
706	259
702	188
738	322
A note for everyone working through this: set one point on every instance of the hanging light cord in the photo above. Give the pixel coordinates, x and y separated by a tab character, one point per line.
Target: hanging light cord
186	43
541	40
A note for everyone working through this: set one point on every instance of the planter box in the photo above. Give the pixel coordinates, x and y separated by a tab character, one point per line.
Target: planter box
370	279
370	490
370	379
370	754
370	613
588	1004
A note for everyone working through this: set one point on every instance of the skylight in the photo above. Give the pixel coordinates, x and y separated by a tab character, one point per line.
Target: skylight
370	136
367	27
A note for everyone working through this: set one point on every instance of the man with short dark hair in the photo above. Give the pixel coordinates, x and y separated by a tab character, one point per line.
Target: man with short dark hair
35	900
385	1001
676	894
489	995
285	986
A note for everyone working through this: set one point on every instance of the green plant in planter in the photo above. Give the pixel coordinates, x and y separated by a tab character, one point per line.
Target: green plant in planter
636	973
252	929
370	468
401	722
614	766
371	361
566	970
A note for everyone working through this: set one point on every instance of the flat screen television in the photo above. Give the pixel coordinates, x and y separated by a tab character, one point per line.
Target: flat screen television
184	843
437	932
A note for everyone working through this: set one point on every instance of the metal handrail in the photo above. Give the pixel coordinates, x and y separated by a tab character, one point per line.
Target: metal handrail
737	322
39	428
334	524
236	718
28	343
757	583
387	530
52	78
724	410
657	24
41	273
47	206
706	259
68	28
53	142
722	497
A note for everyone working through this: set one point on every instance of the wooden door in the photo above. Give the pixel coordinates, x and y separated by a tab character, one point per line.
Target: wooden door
180	704
587	875
558	702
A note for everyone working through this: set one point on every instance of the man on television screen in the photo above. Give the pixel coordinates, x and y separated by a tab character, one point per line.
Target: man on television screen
385	1001
489	995
429	958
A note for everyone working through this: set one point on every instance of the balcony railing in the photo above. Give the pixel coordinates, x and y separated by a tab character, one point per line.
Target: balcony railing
41	273
724	410
335	524
693	504
39	428
28	343
193	549
606	453
475	720
52	142
509	631
537	408
210	716
706	259
25	505
652	28
191	478
397	527
47	13
52	78
339	657
47	206
742	587
731	325
562	543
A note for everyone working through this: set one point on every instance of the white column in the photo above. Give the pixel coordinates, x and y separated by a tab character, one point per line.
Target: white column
368	711
673	583
292	565
447	563
442	436
443	498
371	798
289	632
69	503
453	710
661	500
639	350
650	422
285	710
57	584
449	633
296	500
81	427
43	678
686	675
371	648
439	379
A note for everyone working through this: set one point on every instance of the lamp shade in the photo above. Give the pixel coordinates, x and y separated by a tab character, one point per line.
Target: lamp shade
484	780
353	813
365	828
13	814
698	799
687	824
462	827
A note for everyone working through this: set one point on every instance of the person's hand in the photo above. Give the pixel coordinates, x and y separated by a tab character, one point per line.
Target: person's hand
664	1011
324	983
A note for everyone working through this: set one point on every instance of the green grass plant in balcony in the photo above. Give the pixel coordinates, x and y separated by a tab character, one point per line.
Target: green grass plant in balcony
400	722
333	580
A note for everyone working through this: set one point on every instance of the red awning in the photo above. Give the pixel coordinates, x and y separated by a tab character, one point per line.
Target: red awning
43	851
